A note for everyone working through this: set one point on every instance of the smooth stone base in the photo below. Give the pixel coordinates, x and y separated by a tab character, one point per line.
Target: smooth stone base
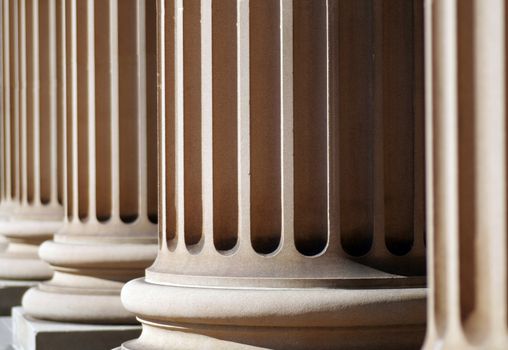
184	337
11	293
32	334
176	317
6	333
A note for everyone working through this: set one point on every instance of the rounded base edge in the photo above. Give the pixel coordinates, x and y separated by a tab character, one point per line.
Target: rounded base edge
23	268
190	337
194	317
76	308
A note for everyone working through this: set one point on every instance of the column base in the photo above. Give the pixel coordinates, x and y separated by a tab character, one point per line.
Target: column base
23	266
87	281
31	334
11	293
185	337
20	260
76	306
179	317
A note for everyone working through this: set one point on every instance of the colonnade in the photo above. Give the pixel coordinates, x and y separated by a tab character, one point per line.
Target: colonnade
31	185
238	174
78	155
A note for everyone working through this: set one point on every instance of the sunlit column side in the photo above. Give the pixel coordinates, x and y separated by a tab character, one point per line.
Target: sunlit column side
291	177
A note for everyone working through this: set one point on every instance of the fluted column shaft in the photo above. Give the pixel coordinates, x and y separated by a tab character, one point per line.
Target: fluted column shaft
31	195
466	88
108	93
290	176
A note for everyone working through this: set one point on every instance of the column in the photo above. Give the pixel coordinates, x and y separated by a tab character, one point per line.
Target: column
291	177
31	162
108	90
466	90
3	214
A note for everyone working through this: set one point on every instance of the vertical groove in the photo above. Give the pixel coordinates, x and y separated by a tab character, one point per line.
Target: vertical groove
51	142
7	99
161	119
379	190
420	199
105	33
161	125
91	106
192	122
72	115
14	138
179	125
333	159
398	124
265	124
225	143
80	122
62	107
149	27
61	131
141	93
310	168
31	108
129	120
70	60
467	161
167	112
147	114
37	105
47	107
114	110
23	99
355	126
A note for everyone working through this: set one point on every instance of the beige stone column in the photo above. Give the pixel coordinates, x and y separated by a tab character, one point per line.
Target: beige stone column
3	212
32	190
291	177
109	236
467	189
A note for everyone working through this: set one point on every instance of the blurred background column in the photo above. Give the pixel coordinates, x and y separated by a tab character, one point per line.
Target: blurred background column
291	177
467	193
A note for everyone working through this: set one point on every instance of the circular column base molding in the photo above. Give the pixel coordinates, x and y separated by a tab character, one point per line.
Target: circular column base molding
23	266
87	282
187	317
76	308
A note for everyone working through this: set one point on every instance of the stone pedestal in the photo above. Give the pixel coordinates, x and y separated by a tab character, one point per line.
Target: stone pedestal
32	334
291	186
466	89
107	50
